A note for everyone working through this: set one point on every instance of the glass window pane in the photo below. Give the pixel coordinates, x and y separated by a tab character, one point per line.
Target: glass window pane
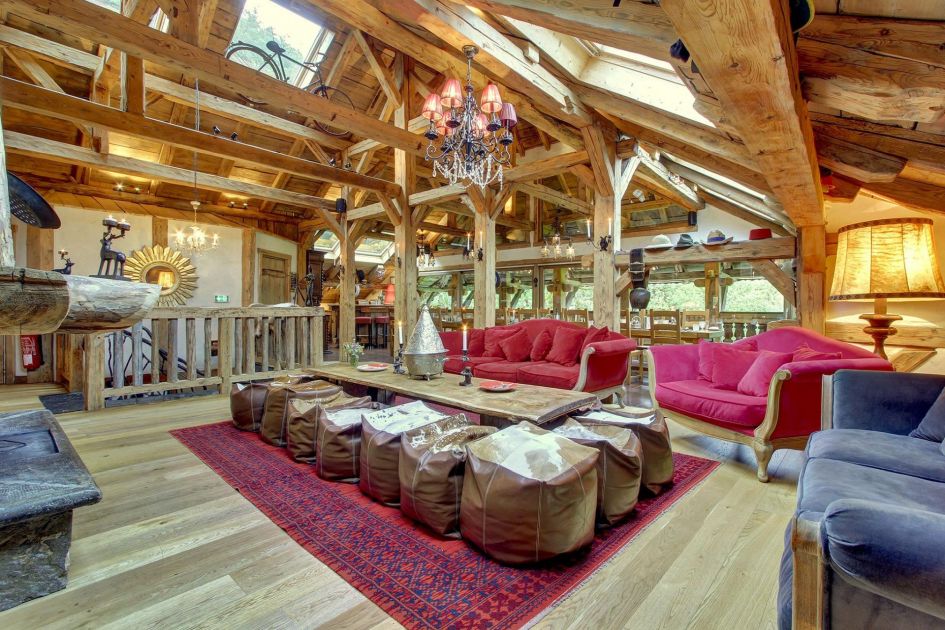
754	295
683	296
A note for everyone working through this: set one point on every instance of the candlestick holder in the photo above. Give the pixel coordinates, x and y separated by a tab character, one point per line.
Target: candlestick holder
399	361
467	371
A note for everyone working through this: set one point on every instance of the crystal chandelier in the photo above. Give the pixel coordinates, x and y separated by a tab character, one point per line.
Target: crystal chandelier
474	138
195	241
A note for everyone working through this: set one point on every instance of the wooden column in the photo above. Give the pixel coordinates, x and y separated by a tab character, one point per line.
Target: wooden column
713	292
406	302
39	255
811	290
159	231
346	297
6	232
484	271
249	266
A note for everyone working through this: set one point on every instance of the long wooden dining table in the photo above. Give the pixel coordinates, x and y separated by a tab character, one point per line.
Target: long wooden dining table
686	335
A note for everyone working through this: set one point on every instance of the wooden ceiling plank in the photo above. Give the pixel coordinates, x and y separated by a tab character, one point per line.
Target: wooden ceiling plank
658	176
910	193
51	51
861	163
744	49
908	39
95	23
384	76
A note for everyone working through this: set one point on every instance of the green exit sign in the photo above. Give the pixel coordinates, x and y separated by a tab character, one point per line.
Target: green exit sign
221	299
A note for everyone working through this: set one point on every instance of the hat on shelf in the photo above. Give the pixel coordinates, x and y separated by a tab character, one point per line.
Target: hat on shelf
686	241
660	241
717	237
759	234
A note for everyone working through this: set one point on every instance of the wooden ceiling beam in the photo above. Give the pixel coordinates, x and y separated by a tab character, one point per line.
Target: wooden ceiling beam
908	39
98	24
657	176
554	197
910	193
383	74
745	51
53	52
634	26
41	148
62	106
858	162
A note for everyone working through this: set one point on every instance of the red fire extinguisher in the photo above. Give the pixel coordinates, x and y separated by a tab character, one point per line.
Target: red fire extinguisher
31	352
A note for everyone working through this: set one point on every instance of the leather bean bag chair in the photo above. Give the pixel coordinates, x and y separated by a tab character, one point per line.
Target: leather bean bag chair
303	420
528	494
248	400
276	413
338	443
653	434
380	448
619	466
432	464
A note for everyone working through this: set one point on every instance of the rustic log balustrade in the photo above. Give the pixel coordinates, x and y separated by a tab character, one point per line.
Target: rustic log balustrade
192	347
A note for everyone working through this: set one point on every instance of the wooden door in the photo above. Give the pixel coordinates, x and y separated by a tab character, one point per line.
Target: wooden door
273	278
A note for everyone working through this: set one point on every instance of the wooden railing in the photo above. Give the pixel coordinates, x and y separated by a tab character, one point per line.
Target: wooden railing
190	348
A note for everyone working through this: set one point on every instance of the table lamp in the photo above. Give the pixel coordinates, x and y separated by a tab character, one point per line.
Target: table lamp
882	260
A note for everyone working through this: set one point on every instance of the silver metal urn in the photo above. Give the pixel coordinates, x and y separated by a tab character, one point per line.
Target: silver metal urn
424	354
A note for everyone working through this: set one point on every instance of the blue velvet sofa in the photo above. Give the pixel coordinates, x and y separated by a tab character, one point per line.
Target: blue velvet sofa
866	547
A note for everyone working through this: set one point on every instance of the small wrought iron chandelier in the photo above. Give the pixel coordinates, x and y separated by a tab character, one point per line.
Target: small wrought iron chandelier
475	137
195	241
425	257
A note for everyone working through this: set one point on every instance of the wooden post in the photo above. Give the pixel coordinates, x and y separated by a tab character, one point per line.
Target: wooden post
132	84
225	353
346	298
405	235
6	231
484	270
249	267
811	302
94	367
159	231
39	255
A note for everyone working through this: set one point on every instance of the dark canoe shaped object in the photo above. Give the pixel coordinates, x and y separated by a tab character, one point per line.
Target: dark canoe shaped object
27	206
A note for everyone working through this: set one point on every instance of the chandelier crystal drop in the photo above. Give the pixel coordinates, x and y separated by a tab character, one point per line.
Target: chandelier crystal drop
469	141
195	241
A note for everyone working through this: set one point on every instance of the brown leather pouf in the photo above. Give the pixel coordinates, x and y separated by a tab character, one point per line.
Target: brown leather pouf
653	434
338	443
276	415
248	400
303	418
528	494
618	467
432	464
380	448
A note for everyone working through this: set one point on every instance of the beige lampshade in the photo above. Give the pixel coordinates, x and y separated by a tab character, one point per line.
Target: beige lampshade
890	258
165	279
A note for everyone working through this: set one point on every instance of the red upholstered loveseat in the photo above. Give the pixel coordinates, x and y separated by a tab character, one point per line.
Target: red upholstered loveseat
600	367
784	418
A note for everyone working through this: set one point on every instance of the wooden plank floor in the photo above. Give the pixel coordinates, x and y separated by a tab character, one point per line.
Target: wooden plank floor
173	546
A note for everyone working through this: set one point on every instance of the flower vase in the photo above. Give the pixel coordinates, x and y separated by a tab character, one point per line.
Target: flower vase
353	360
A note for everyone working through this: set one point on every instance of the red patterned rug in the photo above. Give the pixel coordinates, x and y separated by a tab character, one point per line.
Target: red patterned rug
420	580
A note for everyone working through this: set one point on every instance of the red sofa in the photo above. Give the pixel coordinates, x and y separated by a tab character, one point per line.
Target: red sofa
601	368
784	418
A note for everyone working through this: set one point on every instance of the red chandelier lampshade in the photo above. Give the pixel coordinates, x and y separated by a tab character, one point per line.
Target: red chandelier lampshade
507	115
432	108
389	294
491	102
481	123
452	94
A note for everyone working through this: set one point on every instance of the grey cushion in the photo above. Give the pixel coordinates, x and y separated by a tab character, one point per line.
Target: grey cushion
932	426
786	581
823	481
895	453
894	552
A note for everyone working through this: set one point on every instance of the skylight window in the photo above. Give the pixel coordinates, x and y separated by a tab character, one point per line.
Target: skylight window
114	5
263	21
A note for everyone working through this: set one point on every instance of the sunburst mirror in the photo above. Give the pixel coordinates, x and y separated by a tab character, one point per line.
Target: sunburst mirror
165	267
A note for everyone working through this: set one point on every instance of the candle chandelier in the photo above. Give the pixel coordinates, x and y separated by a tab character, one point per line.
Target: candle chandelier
555	248
469	142
195	240
425	257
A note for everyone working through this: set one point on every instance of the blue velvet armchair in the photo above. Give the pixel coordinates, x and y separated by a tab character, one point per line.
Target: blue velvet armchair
866	547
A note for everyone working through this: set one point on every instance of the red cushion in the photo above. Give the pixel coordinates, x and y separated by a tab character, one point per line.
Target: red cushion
454	364
706	349
729	366
516	347
758	377
549	375
806	353
493	337
566	346
541	346
362	320
699	399
595	334
499	370
477	342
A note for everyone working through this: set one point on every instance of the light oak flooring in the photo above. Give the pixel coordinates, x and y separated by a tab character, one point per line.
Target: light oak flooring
173	546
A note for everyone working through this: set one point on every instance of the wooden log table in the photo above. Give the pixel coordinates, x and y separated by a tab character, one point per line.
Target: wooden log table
539	405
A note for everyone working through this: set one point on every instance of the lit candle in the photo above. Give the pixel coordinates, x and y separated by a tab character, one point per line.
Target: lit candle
123	224
400	332
110	221
468	241
588	228
464	338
